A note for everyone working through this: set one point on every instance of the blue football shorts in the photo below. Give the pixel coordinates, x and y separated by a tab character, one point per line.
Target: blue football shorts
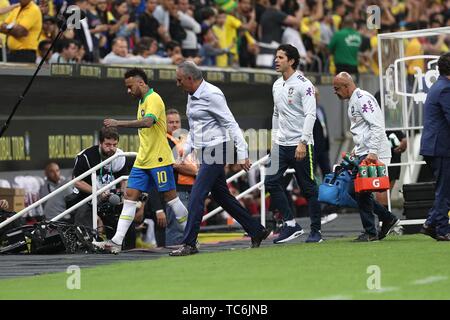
144	180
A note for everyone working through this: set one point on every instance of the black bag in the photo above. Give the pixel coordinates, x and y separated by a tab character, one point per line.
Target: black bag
6	215
49	237
72	199
16	240
61	237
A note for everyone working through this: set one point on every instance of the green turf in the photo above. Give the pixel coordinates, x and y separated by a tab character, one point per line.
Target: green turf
330	270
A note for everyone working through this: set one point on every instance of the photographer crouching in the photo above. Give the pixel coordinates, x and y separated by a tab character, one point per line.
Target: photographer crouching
109	202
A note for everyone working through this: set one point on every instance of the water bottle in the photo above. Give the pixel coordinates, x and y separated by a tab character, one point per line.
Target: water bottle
362	169
381	169
372	170
347	156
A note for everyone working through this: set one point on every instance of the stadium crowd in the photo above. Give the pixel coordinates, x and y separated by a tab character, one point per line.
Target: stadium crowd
222	33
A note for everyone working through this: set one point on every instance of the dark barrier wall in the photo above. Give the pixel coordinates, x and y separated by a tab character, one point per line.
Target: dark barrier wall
65	108
61	115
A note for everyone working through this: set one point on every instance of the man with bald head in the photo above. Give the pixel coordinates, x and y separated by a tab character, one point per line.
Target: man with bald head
368	130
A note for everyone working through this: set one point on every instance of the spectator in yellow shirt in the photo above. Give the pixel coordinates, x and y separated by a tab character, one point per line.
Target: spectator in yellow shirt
225	30
23	27
5	8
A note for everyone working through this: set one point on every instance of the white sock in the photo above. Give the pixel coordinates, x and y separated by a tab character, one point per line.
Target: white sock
150	234
180	211
291	223
125	220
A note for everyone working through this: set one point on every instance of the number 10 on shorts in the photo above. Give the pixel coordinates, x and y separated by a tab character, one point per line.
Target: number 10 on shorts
162	177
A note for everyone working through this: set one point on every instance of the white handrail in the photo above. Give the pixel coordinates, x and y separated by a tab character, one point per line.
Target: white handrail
65	186
411	222
262	195
239	196
263	160
85	200
94	200
260	163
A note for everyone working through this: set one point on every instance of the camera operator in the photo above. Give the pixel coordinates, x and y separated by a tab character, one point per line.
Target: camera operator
89	158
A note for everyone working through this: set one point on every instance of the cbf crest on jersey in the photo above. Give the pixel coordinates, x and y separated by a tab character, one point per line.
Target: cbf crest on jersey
142	113
290	91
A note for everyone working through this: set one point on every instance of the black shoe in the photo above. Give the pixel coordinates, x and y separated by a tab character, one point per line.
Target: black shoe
365	237
185	250
445	237
256	241
288	233
428	231
387	227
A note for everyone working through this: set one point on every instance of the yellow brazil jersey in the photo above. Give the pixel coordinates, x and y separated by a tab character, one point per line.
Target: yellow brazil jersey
308	25
30	18
154	150
227	37
337	21
374	60
414	48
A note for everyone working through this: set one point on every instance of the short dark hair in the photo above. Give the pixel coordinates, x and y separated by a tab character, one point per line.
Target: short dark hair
207	13
49	18
65	43
291	53
144	44
172	111
348	22
136	72
147	41
172	45
117	39
43	43
49	164
108	133
444	64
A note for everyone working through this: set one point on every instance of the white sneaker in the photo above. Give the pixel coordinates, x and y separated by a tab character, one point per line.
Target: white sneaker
108	246
328	218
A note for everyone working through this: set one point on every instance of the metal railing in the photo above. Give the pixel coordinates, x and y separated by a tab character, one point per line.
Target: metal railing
93	173
260	164
260	185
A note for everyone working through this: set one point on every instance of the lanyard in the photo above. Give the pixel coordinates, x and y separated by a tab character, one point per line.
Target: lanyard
101	169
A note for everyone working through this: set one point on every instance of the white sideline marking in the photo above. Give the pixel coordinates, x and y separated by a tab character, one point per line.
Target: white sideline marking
382	290
430	280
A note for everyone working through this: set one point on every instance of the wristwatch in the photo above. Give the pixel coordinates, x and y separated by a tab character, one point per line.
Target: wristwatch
304	142
10	26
